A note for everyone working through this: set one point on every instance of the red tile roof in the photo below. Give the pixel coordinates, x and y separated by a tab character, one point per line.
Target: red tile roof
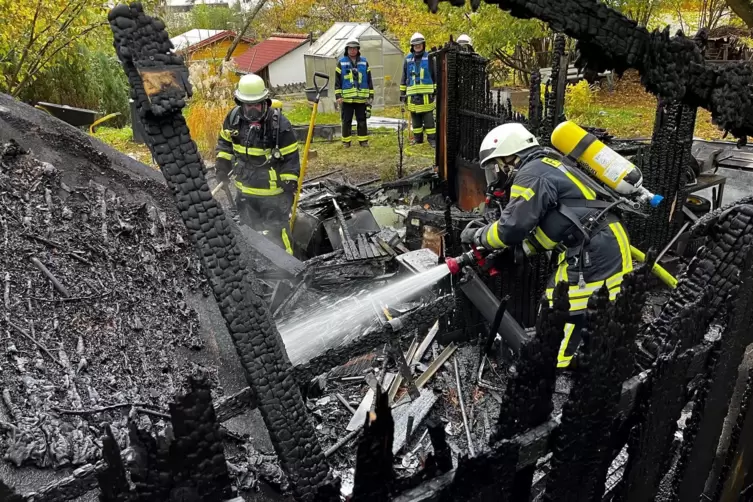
263	54
217	38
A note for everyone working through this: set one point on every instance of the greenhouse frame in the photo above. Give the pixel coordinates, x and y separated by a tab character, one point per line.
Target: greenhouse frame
384	57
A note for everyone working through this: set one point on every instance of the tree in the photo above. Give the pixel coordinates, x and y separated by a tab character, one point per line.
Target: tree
744	9
36	32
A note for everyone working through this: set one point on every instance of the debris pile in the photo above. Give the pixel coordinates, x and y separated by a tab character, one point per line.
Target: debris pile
94	314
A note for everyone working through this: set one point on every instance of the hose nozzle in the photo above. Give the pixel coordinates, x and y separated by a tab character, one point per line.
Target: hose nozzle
456	264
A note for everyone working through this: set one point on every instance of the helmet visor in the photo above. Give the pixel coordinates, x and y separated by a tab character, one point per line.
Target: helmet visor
491	171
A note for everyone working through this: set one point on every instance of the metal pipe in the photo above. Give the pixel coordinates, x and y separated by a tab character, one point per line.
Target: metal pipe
462	408
488	304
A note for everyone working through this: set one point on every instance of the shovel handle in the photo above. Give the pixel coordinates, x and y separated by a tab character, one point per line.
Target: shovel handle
326	81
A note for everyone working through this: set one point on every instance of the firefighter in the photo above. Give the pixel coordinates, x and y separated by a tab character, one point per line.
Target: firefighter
551	210
258	143
464	41
417	88
354	91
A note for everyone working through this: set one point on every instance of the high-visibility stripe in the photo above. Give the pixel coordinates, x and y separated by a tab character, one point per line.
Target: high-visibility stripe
255	152
403	88
272	179
587	192
286	241
418	130
519	191
286	150
225	155
258	191
432	130
225	134
420	89
427	107
337	69
289	177
543	239
363	138
346	139
622	240
563	361
492	236
528	249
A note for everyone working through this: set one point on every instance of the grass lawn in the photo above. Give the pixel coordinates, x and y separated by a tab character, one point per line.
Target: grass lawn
379	159
299	113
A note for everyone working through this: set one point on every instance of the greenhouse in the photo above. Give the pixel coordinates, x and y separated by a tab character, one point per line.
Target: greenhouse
384	57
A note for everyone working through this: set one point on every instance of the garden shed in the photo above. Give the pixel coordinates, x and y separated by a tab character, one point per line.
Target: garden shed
384	56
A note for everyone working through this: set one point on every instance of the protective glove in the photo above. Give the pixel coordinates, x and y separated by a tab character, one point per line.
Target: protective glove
471	235
222	168
368	111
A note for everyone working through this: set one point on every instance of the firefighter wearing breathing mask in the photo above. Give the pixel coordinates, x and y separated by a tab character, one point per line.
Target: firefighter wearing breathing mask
551	210
259	145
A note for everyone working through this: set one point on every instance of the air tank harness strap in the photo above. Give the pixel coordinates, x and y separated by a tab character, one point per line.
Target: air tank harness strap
593	224
582	146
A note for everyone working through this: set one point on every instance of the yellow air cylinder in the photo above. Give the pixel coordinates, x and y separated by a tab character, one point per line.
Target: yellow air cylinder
608	166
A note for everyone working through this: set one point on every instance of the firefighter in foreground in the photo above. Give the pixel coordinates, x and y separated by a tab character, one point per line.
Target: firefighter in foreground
551	210
258	144
354	91
418	88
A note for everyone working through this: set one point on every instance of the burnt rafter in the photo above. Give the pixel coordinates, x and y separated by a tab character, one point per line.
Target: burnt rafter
159	86
671	67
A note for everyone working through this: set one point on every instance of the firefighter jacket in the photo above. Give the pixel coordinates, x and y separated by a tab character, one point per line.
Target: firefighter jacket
550	209
353	81
263	158
419	82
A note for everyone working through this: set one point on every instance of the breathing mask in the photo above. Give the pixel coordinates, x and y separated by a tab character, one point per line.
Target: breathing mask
500	171
254	112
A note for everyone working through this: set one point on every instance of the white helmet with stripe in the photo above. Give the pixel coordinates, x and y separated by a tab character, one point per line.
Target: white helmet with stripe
502	143
416	39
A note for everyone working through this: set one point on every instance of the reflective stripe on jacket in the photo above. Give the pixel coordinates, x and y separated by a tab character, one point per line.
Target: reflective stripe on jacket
418	77
251	149
353	83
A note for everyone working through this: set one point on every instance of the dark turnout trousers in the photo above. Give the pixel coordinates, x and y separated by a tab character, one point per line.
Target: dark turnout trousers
269	216
348	110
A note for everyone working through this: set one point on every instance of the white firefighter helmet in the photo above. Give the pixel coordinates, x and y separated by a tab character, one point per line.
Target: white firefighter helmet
353	42
251	89
416	39
464	39
503	141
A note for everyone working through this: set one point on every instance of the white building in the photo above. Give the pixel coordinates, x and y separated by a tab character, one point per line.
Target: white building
278	59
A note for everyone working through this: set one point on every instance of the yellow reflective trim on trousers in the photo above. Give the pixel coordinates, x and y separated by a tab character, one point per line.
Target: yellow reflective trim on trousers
563	361
622	240
418	130
543	239
363	138
421	108
519	191
225	155
432	130
225	134
258	191
289	177
256	152
346	139
289	149
403	87
286	241
492	236
614	282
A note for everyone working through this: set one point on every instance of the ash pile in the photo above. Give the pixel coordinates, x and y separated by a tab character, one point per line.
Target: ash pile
93	312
